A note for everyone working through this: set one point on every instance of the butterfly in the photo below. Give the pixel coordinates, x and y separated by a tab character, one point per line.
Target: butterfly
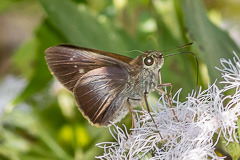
105	85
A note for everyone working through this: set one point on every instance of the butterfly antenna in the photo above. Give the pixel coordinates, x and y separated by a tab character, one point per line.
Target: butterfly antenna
184	46
195	59
134	51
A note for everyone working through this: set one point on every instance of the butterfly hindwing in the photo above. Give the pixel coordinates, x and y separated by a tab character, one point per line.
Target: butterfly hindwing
100	93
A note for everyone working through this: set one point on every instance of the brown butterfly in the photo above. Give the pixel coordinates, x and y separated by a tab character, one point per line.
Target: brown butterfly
105	85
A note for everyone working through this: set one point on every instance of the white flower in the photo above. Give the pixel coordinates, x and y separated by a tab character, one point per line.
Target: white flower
186	130
230	72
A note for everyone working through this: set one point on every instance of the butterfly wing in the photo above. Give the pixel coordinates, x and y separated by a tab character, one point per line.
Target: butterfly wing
69	63
101	94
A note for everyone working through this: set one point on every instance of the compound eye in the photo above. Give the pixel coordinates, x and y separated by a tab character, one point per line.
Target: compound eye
148	61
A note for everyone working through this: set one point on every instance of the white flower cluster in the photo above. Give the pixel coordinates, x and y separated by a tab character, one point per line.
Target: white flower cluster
184	131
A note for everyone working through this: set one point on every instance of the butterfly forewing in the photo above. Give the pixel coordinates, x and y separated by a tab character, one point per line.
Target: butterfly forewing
100	93
69	63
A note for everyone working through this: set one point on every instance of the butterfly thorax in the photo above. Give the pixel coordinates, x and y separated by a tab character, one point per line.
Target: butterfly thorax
144	77
143	83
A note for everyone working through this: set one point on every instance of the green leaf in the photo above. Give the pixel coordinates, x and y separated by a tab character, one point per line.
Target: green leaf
212	42
25	134
46	37
233	148
238	130
7	3
80	28
23	58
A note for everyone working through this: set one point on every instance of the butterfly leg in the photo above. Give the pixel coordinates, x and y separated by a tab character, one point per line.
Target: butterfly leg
129	104
148	109
131	111
160	90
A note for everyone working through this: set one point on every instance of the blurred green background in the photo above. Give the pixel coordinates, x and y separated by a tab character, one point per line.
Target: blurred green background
39	118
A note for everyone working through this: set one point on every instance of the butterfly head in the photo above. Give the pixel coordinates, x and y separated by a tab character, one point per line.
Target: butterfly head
153	60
